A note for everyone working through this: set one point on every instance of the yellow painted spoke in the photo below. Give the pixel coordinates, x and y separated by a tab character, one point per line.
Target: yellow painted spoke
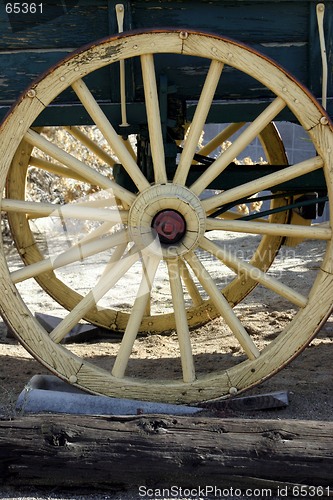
150	267
181	321
68	211
222	306
95	233
190	285
110	134
234	216
115	257
75	254
78	166
147	311
129	148
241	267
219	139
153	116
90	144
250	227
55	169
265	182
92	298
199	121
238	145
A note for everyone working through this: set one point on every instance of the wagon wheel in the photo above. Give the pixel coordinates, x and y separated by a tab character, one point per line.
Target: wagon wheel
16	188
178	206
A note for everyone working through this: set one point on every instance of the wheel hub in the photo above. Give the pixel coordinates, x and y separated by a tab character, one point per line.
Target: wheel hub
170	226
167	220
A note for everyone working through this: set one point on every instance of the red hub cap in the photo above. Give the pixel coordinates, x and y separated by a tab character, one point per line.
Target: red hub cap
170	226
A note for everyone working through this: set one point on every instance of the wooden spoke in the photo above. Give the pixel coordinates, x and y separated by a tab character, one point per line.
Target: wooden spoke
219	139
129	148
189	283
148	308
222	305
240	266
198	122
263	183
150	267
78	166
55	169
75	254
115	257
153	116
250	227
95	233
68	211
92	298
229	215
181	321
110	134
90	144
99	202
237	147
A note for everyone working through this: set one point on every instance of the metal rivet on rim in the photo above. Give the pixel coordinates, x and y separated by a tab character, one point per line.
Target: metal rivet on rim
296	101
233	390
214	49
284	89
329	150
135	46
73	379
31	93
183	35
76	69
323	120
230	54
62	78
150	324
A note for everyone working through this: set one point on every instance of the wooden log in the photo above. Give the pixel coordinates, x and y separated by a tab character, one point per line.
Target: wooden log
115	451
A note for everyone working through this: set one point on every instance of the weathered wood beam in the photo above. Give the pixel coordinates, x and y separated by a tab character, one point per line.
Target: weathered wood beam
114	451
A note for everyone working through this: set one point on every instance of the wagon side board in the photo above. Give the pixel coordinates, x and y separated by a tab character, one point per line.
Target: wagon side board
284	30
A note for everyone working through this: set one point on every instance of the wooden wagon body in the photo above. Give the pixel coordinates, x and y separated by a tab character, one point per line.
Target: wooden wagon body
178	66
286	31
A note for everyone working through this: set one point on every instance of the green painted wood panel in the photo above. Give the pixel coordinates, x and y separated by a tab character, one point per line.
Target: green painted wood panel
284	30
78	25
247	21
